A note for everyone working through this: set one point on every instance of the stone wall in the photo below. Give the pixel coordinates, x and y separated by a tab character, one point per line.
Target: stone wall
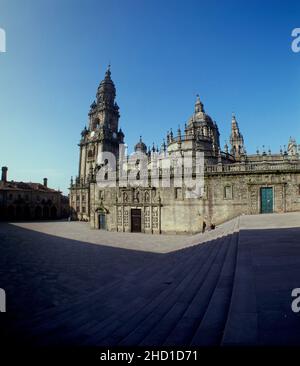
167	210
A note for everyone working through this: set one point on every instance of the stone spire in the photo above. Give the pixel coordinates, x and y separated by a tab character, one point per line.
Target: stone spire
179	134
108	72
226	147
236	139
292	147
163	146
199	105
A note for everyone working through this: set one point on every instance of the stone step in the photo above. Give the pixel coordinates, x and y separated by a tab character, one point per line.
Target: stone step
177	302
185	327
138	301
138	289
159	334
81	302
78	318
121	325
211	328
242	326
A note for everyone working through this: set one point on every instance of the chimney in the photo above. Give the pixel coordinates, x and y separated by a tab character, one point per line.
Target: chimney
4	174
45	182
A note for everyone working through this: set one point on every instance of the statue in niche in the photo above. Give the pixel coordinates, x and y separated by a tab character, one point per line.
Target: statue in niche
147	197
154	193
136	196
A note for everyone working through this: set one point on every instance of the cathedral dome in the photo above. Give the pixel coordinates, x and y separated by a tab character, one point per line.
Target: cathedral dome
202	131
140	146
199	116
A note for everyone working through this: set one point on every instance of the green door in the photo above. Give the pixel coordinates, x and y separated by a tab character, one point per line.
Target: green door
266	199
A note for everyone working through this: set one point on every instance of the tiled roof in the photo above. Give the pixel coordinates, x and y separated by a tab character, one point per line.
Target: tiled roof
22	186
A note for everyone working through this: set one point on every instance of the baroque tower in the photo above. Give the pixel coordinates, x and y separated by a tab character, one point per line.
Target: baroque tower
103	133
236	140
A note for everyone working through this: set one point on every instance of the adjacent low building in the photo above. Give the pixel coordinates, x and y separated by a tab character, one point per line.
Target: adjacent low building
30	201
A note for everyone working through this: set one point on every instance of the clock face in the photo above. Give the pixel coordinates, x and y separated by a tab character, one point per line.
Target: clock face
114	135
92	133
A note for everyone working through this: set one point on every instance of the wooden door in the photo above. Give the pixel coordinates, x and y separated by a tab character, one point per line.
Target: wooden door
136	220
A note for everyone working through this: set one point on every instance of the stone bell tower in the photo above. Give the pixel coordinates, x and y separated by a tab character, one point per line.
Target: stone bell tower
103	133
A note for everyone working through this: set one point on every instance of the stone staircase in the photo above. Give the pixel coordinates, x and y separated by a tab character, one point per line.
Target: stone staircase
187	297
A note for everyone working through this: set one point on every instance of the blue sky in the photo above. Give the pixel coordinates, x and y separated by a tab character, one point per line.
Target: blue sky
235	54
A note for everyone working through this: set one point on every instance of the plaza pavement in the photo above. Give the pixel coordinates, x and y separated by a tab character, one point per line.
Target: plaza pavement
81	231
69	285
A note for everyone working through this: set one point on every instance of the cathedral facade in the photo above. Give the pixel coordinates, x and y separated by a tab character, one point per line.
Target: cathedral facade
234	182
